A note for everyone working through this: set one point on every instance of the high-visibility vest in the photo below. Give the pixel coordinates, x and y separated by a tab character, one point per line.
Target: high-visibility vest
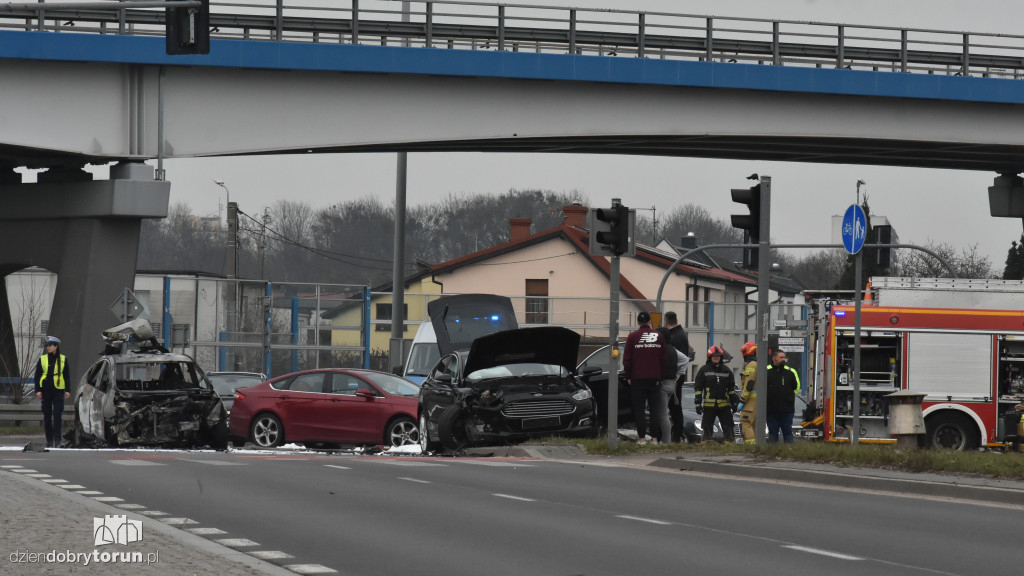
58	377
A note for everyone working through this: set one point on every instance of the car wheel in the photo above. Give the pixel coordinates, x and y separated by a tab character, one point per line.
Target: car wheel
951	432
426	444
451	428
267	431
402	432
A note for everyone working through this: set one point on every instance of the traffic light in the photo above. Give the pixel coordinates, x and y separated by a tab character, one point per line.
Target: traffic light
187	30
611	231
749	223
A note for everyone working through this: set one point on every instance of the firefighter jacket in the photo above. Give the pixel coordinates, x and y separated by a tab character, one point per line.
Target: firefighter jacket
52	369
783	385
715	386
748	384
645	354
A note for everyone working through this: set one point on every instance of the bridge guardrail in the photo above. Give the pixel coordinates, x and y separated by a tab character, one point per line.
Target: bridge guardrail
452	24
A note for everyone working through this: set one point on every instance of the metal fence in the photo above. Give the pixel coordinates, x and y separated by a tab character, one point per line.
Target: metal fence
556	30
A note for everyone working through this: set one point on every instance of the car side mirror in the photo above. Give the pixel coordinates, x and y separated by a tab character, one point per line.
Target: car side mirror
365	394
447	378
591	371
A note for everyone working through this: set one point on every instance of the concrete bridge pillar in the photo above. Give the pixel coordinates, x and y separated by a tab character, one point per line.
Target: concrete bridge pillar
87	232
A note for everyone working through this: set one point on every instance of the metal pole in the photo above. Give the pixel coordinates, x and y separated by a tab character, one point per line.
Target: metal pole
613	343
855	408
763	307
396	350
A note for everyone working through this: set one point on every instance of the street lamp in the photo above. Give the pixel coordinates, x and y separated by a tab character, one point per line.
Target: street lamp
227	194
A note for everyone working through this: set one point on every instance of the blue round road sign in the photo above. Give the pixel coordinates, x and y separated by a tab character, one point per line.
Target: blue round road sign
855	229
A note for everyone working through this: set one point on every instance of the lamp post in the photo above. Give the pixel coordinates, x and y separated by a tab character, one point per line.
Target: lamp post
227	193
232	242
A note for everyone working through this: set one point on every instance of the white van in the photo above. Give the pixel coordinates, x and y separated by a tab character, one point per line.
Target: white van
423	354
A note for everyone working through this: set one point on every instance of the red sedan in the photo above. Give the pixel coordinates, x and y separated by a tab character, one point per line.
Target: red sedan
327	406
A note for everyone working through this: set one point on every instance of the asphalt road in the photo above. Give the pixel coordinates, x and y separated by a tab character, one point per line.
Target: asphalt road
449	516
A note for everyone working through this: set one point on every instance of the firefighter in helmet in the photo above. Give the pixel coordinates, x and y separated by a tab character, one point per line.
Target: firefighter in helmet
748	392
715	395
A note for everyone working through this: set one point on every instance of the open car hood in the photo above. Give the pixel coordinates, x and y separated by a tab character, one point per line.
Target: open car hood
459	320
547	345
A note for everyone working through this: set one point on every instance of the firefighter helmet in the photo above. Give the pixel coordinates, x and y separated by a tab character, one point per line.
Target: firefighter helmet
715	351
748	349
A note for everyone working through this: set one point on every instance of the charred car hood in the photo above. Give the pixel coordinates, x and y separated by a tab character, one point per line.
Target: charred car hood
548	345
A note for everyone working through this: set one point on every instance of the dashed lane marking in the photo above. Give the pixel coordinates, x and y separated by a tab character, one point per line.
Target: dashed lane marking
511	497
38	475
417	480
236	542
821	552
178	521
127	506
73	487
153	513
54	480
91	493
647	520
270	555
338	467
309	569
107	499
206	531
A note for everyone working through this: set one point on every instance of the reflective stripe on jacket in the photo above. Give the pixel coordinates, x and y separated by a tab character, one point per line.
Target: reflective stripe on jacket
715	386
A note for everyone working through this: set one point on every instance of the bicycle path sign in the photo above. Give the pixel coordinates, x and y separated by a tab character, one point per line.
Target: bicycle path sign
855	229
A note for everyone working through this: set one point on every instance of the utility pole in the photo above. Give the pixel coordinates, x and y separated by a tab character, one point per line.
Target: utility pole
263	239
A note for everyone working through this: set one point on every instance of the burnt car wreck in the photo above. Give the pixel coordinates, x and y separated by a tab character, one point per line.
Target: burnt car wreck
140	394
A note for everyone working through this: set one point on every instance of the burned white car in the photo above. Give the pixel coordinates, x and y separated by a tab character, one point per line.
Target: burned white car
139	394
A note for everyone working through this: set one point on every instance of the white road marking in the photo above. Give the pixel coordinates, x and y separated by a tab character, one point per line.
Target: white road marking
206	531
821	552
73	487
54	481
236	542
153	513
24	470
215	462
178	521
137	463
648	520
404	462
40	476
338	467
90	493
510	497
107	499
11	466
406	478
270	555
127	506
495	463
309	569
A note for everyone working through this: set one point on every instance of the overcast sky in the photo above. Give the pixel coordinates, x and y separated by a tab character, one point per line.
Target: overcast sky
923	204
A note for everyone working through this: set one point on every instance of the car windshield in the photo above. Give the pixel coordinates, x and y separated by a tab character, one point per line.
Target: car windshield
143	376
422	358
392	384
510	370
599	358
226	384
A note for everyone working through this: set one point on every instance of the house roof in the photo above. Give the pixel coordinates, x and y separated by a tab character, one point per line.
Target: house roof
579	238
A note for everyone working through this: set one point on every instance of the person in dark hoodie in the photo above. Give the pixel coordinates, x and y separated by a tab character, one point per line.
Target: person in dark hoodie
51	388
642	363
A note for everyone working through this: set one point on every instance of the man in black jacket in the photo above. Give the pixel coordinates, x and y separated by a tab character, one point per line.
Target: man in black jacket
783	386
676	336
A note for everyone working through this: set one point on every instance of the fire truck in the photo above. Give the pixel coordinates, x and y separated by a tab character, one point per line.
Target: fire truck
959	342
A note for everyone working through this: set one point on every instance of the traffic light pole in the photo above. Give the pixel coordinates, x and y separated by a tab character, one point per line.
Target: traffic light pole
613	344
763	313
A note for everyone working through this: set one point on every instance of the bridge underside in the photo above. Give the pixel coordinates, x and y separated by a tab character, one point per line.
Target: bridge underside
230	112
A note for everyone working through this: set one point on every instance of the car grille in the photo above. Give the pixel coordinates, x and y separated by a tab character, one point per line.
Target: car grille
538	408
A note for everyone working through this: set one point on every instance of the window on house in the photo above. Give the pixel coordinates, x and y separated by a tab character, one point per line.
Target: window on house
384	313
537	301
698	296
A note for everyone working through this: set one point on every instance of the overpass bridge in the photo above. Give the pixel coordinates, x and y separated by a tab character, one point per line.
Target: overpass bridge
90	82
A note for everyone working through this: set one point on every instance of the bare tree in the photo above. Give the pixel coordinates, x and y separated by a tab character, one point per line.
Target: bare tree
31	305
965	261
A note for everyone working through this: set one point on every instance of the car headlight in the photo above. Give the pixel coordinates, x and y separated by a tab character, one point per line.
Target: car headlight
581	395
696	424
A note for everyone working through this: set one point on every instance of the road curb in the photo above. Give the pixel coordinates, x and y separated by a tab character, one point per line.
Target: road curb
849	480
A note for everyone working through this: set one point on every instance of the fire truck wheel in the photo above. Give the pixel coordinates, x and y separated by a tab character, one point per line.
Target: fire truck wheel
951	432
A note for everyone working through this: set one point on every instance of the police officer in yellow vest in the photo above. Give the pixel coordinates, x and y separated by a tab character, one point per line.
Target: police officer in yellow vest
51	387
783	386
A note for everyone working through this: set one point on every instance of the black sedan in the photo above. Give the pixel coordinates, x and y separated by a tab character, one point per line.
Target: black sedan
508	387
